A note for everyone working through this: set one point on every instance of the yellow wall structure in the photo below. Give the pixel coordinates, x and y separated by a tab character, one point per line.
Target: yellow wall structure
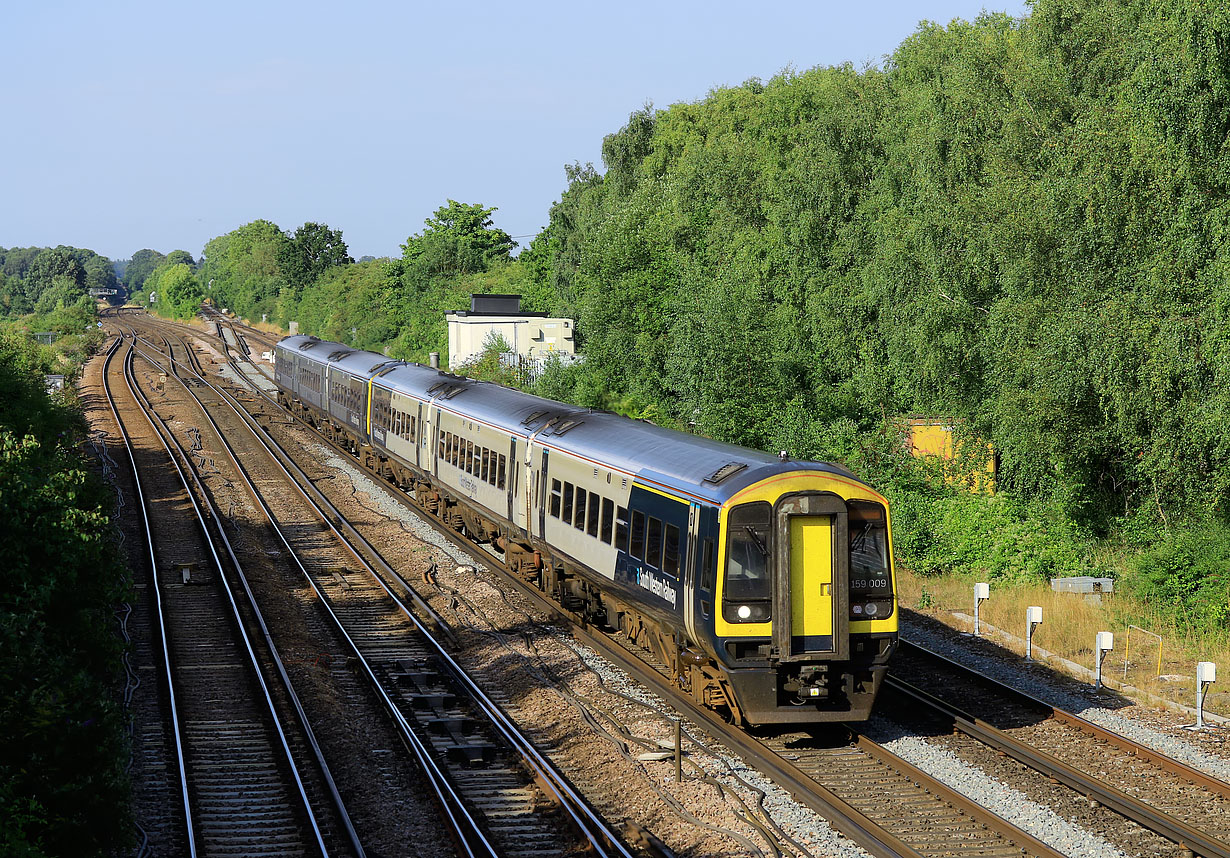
933	438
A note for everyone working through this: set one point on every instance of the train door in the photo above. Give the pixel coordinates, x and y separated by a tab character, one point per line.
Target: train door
810	617
429	438
420	429
689	577
513	506
703	570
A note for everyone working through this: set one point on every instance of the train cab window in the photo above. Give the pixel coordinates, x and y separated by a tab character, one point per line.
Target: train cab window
670	551
595	507
621	530
556	495
608	520
502	476
653	544
580	509
871	582
566	514
638	535
747	593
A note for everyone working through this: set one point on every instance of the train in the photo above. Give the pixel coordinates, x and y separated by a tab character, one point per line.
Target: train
764	585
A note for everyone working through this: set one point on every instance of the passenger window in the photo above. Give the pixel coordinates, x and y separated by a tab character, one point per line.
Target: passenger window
638	535
591	525
567	511
653	546
580	511
621	530
502	478
485	464
445	442
555	498
670	551
608	515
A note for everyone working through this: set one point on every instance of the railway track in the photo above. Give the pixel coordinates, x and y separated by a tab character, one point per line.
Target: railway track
934	824
475	758
240	786
1175	802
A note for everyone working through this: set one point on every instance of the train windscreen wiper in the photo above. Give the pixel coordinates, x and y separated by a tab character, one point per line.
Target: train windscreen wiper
751	531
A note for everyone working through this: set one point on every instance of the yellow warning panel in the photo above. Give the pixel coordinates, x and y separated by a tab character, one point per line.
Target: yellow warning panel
811	582
934	438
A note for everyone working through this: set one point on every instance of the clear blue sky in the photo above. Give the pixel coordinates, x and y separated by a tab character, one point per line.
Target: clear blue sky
163	125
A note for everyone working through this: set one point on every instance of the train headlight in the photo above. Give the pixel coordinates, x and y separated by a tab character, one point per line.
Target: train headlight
746	612
871	609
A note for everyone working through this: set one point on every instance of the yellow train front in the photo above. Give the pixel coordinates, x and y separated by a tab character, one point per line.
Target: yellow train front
800	601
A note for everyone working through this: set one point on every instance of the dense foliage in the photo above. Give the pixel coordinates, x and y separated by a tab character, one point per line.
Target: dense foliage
1016	222
63	789
44	279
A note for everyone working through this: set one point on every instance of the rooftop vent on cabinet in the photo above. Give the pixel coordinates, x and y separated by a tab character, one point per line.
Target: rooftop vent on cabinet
537	415
566	426
340	353
724	472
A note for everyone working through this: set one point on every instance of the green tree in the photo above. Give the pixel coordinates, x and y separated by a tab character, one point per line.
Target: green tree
311	250
140	268
63	790
241	270
460	239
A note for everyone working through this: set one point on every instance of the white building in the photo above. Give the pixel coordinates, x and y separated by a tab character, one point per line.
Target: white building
531	335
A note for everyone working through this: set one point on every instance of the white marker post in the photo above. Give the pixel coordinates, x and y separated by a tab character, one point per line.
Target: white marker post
1033	619
1105	643
1206	675
982	592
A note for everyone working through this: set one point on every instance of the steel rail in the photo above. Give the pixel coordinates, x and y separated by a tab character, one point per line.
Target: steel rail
275	656
466	828
1175	767
1170	827
156	422
158	613
586	819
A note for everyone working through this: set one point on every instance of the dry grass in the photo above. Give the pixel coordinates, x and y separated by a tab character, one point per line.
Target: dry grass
1069	629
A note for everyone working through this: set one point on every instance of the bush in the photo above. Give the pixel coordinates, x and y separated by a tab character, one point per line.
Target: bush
1186	577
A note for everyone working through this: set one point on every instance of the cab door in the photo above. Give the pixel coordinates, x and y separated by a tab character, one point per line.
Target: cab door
810	617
